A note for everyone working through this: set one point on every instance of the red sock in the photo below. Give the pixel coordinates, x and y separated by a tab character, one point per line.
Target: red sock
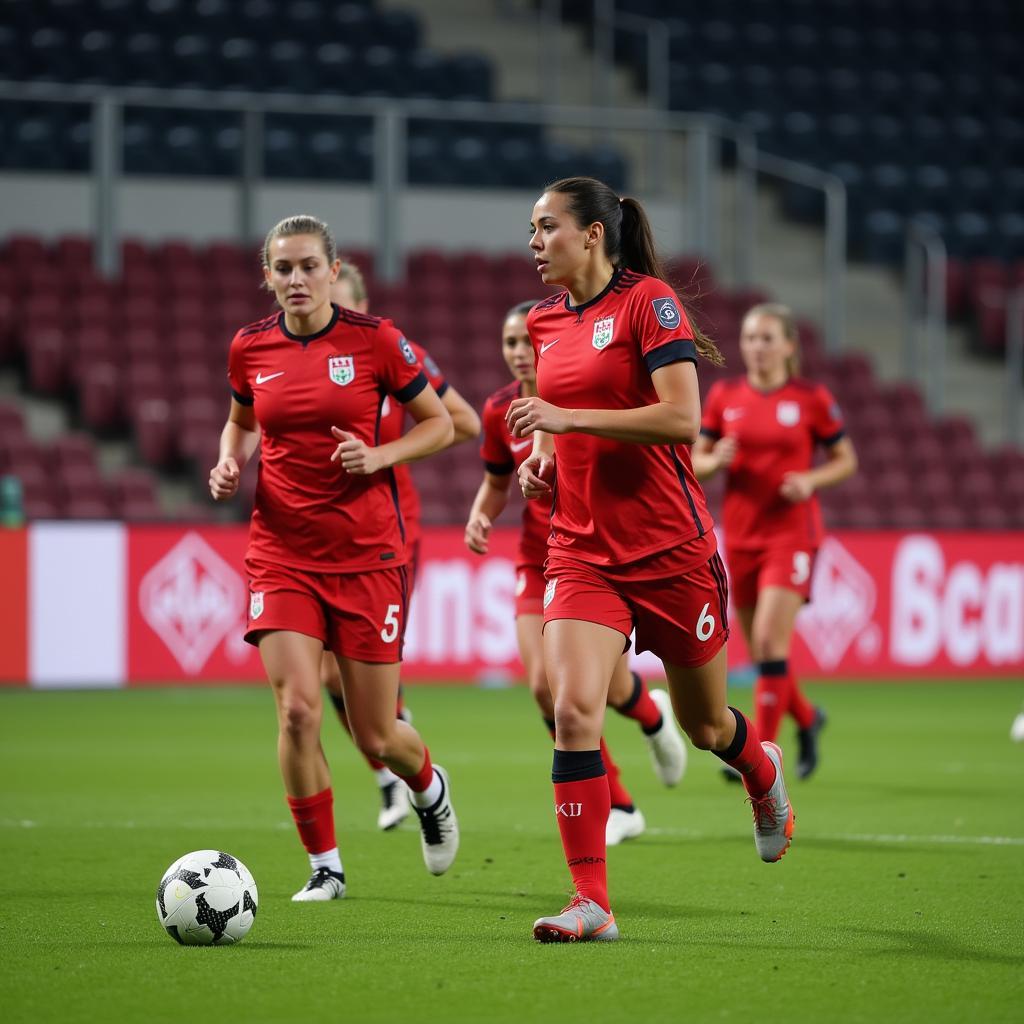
582	805
619	794
799	706
746	755
419	782
771	698
314	818
640	707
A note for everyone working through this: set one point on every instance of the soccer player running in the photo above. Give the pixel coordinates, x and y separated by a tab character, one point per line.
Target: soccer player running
762	429
502	454
631	541
349	292
326	558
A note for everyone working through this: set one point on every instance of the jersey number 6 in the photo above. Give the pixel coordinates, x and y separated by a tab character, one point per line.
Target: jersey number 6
705	623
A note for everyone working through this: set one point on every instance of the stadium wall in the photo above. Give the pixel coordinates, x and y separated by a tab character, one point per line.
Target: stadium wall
107	604
206	209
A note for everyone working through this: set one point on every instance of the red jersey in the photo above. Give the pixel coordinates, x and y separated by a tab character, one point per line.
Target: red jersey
309	513
392	423
502	454
617	502
776	432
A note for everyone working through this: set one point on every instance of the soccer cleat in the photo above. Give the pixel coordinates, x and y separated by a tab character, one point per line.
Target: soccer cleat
439	829
623	824
808	742
1017	729
773	813
730	774
582	921
324	884
394	805
668	751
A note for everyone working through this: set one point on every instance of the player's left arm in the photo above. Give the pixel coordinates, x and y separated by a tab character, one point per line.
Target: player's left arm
673	419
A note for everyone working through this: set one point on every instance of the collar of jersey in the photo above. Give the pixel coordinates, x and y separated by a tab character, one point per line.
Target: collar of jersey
616	274
765	392
305	339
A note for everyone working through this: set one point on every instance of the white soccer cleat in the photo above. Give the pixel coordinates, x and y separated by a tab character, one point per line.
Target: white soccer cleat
668	749
394	798
324	884
1017	729
773	813
439	829
623	825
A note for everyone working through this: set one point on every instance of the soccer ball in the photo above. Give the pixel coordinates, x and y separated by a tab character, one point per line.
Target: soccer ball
207	898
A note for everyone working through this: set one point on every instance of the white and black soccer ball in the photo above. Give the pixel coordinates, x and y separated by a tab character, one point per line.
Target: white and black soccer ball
207	898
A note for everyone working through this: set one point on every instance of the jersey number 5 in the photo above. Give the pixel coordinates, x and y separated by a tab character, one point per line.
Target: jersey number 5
801	567
390	630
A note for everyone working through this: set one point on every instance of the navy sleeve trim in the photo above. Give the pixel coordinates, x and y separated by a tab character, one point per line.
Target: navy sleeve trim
413	388
708	432
242	399
674	352
442	388
833	438
499	468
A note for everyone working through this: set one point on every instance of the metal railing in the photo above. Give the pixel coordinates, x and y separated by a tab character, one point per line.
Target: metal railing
925	313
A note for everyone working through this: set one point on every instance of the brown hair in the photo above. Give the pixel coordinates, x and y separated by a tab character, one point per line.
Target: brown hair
351	273
521	308
790	331
300	224
628	238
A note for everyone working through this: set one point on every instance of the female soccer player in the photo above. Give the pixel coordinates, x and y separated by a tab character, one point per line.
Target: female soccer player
627	693
631	541
763	429
326	558
349	292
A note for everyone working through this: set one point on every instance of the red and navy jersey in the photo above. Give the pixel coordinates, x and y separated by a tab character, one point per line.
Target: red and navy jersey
502	454
392	426
616	502
309	513
776	432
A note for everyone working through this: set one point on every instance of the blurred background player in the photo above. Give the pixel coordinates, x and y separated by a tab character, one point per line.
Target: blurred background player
627	693
763	429
349	292
326	558
632	544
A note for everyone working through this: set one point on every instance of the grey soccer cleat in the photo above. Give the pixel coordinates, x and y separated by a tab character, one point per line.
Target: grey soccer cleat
773	813
582	921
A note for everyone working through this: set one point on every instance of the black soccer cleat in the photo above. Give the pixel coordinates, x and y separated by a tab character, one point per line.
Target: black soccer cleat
807	740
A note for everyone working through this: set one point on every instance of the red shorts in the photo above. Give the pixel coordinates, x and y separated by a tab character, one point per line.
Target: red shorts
529	589
753	569
681	618
357	615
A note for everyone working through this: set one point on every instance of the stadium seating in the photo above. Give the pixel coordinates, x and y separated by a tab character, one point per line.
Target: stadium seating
152	368
299	47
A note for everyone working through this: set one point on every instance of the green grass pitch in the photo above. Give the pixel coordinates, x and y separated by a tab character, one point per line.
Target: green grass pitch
901	899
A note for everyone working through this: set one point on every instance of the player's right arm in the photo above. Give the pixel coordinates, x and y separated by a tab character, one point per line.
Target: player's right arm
489	503
238	441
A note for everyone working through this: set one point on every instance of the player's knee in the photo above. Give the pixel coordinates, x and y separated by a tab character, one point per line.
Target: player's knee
573	720
300	718
703	735
376	743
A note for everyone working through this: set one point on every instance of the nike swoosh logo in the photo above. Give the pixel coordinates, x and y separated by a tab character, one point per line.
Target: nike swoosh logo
732	414
522	444
260	379
544	348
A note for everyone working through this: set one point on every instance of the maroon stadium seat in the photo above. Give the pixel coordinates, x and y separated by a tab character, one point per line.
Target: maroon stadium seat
99	395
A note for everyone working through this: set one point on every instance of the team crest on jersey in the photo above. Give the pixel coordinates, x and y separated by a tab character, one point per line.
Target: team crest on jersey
549	592
521	584
407	353
603	332
788	413
255	604
341	369
667	313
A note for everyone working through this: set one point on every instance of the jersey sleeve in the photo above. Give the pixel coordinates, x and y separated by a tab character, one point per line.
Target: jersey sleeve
827	419
494	449
240	390
711	415
434	375
661	326
398	369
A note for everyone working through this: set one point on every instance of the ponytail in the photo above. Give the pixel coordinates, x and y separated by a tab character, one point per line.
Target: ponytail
628	238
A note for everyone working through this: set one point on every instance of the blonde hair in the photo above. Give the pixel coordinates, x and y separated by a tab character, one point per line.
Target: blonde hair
351	273
790	332
300	224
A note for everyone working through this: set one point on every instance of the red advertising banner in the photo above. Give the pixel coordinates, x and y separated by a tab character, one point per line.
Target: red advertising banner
14	608
885	605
